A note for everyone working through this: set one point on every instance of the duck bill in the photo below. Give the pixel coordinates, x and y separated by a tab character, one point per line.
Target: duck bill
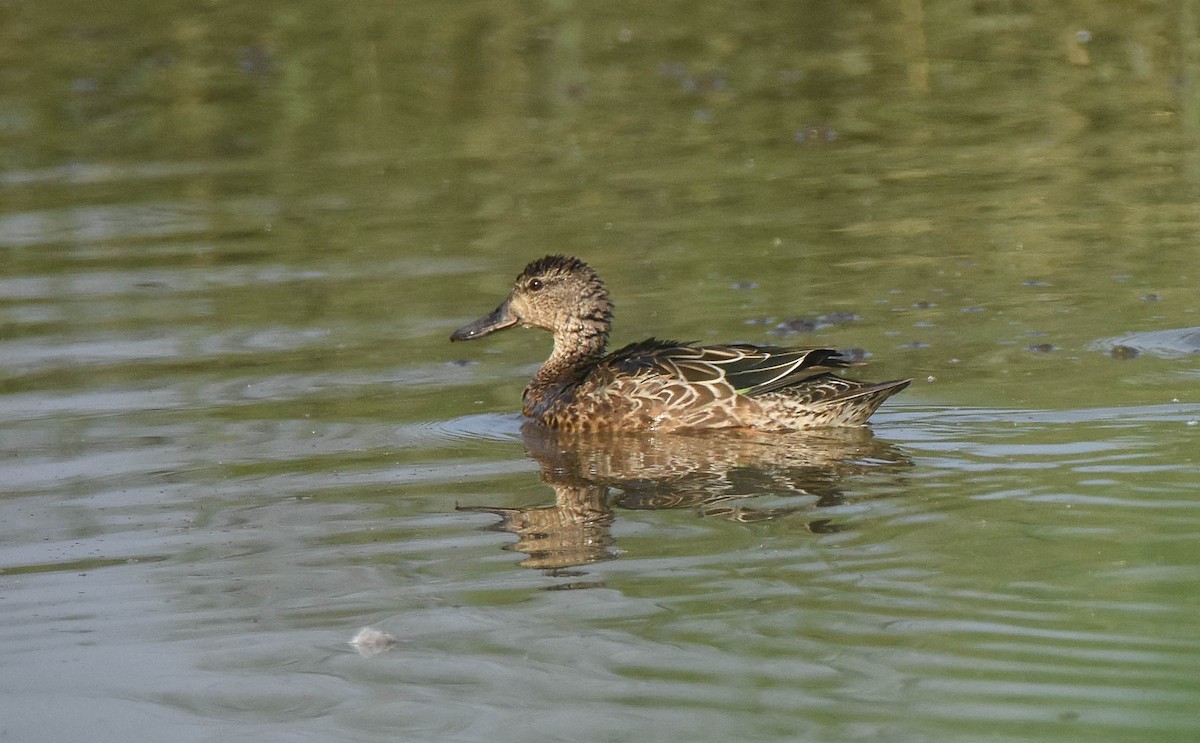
502	317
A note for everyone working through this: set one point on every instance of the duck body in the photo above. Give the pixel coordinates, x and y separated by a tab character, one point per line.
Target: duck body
664	385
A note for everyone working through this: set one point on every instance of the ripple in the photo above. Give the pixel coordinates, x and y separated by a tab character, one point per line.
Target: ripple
1170	344
480	427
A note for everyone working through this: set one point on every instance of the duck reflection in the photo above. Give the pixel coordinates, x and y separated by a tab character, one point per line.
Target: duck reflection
719	474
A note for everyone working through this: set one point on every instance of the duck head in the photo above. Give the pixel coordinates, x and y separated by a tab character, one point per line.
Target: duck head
556	293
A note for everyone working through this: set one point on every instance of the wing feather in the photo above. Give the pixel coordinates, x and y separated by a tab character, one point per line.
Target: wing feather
739	368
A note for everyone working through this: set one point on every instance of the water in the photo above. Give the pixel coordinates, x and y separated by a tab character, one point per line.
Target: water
234	433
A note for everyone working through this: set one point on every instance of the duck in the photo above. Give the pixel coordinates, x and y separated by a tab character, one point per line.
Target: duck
665	385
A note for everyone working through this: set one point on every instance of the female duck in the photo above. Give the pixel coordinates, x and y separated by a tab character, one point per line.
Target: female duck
665	385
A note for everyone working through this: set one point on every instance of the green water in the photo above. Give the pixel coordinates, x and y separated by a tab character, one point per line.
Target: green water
233	432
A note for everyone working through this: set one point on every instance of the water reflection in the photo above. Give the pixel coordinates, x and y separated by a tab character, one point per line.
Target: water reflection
721	474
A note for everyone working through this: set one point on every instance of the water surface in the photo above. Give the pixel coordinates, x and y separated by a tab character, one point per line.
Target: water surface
234	432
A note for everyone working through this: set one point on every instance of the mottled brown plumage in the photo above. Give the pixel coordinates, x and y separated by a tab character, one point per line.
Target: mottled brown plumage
665	385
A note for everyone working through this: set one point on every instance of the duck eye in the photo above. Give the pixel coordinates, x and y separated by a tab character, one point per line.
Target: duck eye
535	285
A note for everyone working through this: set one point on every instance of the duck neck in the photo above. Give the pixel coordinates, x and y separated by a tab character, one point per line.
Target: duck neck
576	345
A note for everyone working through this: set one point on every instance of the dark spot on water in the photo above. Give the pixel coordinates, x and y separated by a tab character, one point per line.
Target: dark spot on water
854	355
255	59
238	144
823	526
815	134
708	81
672	69
1068	716
87	33
567	573
1151	298
461	362
923	304
1123	353
1042	348
160	60
576	585
809	324
839	318
795	325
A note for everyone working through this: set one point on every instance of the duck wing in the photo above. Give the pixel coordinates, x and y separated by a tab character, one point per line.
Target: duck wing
742	368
